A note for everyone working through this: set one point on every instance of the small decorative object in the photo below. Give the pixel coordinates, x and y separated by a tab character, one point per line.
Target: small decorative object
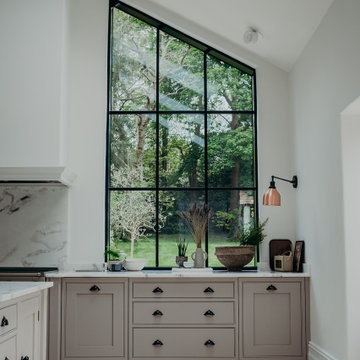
284	262
188	264
182	248
114	262
197	219
278	247
299	256
236	257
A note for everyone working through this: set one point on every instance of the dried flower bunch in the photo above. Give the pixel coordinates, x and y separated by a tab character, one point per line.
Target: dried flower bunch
197	219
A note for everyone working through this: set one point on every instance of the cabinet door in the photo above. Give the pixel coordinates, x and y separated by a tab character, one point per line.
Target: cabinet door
29	328
8	348
94	319
272	319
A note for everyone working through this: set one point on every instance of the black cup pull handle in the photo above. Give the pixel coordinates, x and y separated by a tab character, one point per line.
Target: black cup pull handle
209	313
271	288
209	343
6	358
209	290
157	290
157	313
157	343
95	288
24	358
4	322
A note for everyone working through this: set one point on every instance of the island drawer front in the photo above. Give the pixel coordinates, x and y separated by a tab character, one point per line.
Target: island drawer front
194	289
8	319
8	348
184	313
187	343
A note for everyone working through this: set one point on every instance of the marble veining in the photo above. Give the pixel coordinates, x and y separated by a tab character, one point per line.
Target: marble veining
10	290
33	225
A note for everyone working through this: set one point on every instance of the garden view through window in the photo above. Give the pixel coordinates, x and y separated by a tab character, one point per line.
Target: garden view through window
182	129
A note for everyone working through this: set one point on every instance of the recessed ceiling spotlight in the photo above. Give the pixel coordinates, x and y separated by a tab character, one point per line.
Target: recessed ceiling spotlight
251	35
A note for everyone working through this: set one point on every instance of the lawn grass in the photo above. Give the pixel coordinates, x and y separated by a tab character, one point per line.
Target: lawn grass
145	249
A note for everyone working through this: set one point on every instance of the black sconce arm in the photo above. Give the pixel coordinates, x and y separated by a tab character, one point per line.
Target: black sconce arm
294	181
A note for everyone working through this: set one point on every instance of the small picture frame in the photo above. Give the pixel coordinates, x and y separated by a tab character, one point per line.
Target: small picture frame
299	256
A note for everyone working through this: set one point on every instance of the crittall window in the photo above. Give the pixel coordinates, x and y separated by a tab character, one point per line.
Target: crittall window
181	129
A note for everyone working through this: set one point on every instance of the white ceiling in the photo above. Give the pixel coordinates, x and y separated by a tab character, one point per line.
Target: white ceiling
287	25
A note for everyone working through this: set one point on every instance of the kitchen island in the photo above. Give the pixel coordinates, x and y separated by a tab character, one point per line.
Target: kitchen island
23	317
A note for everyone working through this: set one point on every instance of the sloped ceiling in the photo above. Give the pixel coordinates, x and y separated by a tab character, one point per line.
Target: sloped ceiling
286	25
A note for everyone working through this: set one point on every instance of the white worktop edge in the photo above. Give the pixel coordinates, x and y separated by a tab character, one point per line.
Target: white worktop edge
10	290
169	274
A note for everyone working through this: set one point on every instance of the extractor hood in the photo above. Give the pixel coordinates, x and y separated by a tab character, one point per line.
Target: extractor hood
37	175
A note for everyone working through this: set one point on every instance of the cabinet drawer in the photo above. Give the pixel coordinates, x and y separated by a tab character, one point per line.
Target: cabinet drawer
181	313
187	343
183	290
8	349
8	319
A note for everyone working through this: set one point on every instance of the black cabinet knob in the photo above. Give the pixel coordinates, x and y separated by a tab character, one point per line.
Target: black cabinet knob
24	358
157	290
209	313
271	288
209	290
95	288
157	313
209	343
157	343
6	358
4	322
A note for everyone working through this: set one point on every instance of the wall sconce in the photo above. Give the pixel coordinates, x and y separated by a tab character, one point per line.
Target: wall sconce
272	196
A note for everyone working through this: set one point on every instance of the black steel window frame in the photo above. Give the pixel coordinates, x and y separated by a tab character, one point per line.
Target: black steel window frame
207	50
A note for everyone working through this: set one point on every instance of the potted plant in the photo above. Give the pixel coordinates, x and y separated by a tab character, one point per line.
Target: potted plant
236	257
113	257
182	248
197	219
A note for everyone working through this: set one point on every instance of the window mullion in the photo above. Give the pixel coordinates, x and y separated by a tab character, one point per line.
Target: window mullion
157	147
205	153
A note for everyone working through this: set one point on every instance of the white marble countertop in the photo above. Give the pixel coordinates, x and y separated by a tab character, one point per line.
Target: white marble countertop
10	290
170	274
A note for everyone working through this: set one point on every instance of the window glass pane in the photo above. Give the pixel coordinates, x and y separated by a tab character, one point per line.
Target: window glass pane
230	150
233	210
181	151
181	75
133	150
132	219
228	88
172	227
133	63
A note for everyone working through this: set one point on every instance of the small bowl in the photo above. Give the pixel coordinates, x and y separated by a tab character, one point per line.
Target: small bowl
134	264
188	264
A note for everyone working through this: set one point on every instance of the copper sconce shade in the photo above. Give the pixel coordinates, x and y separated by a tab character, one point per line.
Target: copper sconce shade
272	196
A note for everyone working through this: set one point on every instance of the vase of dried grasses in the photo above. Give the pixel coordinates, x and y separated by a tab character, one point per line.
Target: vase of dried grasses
197	219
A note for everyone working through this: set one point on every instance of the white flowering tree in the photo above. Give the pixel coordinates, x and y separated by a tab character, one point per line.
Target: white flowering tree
133	212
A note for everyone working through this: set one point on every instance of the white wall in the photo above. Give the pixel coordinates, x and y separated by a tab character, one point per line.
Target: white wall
350	140
323	82
79	93
30	78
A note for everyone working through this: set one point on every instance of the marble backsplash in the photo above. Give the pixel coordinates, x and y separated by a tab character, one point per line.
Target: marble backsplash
33	225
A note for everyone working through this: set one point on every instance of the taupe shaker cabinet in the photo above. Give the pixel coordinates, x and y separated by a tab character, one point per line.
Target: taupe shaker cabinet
179	318
94	319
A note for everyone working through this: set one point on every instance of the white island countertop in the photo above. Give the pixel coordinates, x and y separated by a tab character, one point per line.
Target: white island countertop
169	274
10	290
